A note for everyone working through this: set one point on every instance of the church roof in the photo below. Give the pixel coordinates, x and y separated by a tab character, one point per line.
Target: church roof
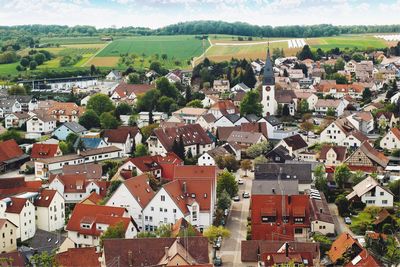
269	78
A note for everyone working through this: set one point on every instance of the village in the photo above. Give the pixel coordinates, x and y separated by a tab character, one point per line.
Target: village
280	161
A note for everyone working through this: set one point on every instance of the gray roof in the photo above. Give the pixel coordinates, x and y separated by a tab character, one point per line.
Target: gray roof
232	117
243	86
269	77
75	127
273	120
281	151
252	118
271	171
266	187
7	103
244	137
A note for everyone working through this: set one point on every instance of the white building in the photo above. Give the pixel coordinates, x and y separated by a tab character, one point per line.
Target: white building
16	119
371	193
8	232
270	105
50	210
391	140
40	124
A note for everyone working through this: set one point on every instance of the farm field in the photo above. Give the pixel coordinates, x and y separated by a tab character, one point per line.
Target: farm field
347	41
71	40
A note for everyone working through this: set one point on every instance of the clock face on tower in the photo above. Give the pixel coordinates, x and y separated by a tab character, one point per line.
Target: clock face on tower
268	88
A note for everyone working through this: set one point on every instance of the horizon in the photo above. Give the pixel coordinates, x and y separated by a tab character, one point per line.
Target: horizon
135	13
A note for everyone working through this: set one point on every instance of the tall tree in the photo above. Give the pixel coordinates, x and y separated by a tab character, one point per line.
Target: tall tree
100	103
249	78
251	104
342	175
305	53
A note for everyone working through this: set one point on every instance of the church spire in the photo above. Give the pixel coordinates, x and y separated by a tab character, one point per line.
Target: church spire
269	78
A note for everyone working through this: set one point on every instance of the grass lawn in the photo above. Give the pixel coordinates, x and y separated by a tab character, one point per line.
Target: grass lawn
8	69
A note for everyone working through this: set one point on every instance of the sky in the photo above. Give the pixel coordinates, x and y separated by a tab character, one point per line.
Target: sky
159	13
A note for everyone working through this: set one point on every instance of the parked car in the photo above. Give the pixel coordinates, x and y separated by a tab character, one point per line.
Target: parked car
240	181
245	195
217	261
236	198
347	220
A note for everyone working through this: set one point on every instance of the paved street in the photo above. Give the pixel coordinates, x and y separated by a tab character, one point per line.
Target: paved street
340	225
237	222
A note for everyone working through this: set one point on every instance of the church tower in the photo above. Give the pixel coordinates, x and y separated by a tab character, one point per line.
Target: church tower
270	106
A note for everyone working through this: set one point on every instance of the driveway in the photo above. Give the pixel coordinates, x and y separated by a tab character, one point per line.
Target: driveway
340	225
236	223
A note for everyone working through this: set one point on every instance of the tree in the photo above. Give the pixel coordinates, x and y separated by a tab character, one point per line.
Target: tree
155	66
11	134
307	126
330	112
249	78
394	187
100	103
339	64
260	160
64	147
148	101
166	88
24	62
89	119
16	90
246	165
343	205
43	259
341	175
305	53
113	231
147	130
141	150
108	121
93	69
366	95
226	181
224	201
39	58
133	78
285	110
340	79
258	149
357	177
32	65
303	106
213	232
164	230
123	109
321	183
166	104
195	104
251	104
178	147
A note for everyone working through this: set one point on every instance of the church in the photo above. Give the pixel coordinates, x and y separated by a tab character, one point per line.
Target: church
270	105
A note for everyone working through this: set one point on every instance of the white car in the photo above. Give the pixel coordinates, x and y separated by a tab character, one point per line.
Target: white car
245	195
240	181
236	198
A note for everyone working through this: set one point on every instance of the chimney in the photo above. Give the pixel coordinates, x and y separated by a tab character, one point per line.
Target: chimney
130	258
287	249
320	210
289	199
273	191
184	187
166	251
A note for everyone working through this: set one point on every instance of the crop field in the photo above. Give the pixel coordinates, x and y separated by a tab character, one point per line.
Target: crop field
350	41
103	61
71	40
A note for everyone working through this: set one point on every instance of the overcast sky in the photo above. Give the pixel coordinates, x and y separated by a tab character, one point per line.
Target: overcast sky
158	13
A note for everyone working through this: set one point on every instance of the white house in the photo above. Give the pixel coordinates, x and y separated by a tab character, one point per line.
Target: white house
133	194
240	86
40	124
294	144
391	140
230	120
21	212
173	78
188	114
363	121
114	75
8	106
307	96
89	222
221	85
50	210
321	217
324	105
16	119
207	122
8	232
209	158
209	100
342	132
370	192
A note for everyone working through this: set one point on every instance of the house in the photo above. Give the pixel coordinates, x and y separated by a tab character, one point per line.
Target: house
92	171
8	106
284	171
78	257
207	122
321	217
21	212
246	139
67	128
87	143
191	195
15	258
332	155
324	105
295	74
391	140
383	217
75	187
16	119
40	123
114	75
50	210
188	115
370	192
8	232
240	87
229	120
120	138
345	244
210	157
362	121
209	100
287	98
273	124
193	137
280	217
307	96
129	92
144	119
339	91
238	98
386	120
134	195
343	132
221	86
11	155
92	199
279	155
173	78
88	223
160	166
294	144
190	251
42	151
65	111
223	107
279	253
27	102
367	158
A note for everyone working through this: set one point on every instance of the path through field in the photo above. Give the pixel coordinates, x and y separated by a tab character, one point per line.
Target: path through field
202	55
95	54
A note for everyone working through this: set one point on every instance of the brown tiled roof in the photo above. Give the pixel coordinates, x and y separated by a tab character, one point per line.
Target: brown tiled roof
133	130
16	205
244	137
224	132
90	170
329	103
151	163
320	210
344	242
124	90
224	106
140	189
117	135
209	117
382	216
93	198
191	134
374	154
9	150
387	115
258	127
44	150
284	96
396	132
87	257
15	259
45	198
364	259
97	151
339	150
149	251
295	142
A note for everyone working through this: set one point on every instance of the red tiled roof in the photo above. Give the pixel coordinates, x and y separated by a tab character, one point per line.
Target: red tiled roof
96	214
396	132
9	150
13	186
191	134
364	259
15	259
223	106
87	257
41	151
16	205
72	181
192	172
340	246
339	150
117	135
45	198
139	188
124	90
93	197
341	88
151	163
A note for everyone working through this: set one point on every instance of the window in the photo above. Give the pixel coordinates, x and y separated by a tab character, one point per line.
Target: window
165	210
151	218
152	208
174	210
384	201
146	218
165	220
298	231
160	209
162	198
382	193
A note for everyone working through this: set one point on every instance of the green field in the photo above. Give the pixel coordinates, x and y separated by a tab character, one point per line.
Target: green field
8	69
349	41
71	40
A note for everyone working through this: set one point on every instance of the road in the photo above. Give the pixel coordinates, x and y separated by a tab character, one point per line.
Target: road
237	224
340	225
